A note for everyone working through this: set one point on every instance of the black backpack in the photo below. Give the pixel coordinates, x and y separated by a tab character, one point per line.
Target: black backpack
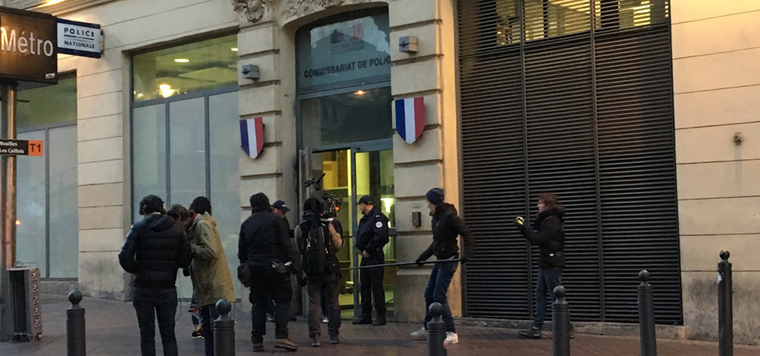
318	257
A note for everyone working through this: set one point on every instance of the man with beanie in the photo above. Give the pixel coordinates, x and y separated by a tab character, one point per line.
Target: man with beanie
371	237
268	253
209	270
155	249
447	225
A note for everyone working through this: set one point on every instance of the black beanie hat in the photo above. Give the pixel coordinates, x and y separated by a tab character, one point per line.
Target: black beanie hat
312	203
435	196
259	201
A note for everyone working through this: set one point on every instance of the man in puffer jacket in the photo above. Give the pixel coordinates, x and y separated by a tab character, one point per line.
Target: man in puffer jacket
447	226
549	236
154	250
209	270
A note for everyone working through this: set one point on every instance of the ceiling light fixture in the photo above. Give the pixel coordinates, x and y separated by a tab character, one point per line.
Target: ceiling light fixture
51	2
360	92
166	90
182	60
234	49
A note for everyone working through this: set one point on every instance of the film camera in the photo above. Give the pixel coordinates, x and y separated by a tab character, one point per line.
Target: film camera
330	204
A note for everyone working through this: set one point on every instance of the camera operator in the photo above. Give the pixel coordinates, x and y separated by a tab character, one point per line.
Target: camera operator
319	241
372	235
550	239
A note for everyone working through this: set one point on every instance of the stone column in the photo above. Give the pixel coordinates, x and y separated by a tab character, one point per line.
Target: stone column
432	161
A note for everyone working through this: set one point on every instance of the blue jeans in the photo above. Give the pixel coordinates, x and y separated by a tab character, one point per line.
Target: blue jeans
548	279
437	290
153	304
208	315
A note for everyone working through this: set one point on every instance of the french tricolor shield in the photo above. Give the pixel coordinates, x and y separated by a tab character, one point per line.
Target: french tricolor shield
410	118
252	136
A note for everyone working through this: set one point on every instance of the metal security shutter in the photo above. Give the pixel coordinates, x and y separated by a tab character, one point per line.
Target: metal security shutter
573	96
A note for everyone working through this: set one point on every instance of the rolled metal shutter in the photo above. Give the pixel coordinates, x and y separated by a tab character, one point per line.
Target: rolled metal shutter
573	96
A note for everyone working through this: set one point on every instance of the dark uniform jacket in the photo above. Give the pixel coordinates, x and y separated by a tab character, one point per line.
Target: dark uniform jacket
549	236
154	250
447	225
264	239
372	234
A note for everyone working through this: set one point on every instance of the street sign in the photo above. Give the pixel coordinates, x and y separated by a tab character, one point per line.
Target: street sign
21	147
28	50
80	38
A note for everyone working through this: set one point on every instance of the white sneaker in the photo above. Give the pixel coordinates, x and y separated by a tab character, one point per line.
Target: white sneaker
420	334
451	338
325	320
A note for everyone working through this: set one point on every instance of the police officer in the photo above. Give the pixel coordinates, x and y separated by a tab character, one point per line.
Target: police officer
371	236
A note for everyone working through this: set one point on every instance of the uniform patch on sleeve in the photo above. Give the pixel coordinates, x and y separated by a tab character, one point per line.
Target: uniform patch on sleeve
378	224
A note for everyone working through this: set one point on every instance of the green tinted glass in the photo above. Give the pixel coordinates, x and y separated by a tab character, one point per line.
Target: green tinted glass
183	69
49	104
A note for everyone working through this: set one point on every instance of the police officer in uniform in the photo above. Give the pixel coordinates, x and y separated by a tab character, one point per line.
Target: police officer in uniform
371	236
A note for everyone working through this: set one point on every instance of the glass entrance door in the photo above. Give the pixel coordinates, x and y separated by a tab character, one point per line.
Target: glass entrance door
350	173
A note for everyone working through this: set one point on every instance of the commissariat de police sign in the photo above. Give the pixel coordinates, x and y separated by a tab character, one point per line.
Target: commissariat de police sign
28	50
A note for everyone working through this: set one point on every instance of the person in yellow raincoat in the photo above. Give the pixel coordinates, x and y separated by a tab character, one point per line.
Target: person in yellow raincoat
209	270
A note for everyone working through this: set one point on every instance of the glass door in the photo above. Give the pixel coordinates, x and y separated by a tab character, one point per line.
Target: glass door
362	169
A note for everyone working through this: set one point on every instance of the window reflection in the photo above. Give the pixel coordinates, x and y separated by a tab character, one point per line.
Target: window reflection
184	69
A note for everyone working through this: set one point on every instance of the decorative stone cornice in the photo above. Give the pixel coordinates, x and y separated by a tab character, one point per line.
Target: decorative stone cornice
304	7
253	10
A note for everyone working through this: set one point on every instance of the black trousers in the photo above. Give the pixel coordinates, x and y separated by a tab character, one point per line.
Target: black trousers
266	283
317	286
371	280
151	304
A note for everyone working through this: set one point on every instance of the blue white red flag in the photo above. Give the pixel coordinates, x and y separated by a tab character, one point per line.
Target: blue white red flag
252	136
410	118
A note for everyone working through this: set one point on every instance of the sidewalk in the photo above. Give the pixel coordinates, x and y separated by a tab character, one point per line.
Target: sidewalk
112	330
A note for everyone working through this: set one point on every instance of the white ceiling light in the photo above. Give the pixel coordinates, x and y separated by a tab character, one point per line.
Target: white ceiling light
182	60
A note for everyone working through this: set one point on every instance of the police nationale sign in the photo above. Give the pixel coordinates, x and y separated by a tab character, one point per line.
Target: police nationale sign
79	38
28	50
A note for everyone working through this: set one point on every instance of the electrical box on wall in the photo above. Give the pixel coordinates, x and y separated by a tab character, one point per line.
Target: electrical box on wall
408	44
250	71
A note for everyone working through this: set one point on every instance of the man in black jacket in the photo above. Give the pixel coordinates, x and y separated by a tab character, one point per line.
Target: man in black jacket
266	249
447	225
371	237
550	239
154	250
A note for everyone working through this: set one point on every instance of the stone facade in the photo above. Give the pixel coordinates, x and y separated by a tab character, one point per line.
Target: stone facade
716	83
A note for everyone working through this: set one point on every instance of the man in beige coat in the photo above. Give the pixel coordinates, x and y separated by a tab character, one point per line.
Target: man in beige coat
209	270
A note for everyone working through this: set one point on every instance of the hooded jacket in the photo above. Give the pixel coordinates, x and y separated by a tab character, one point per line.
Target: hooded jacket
153	251
447	225
210	273
549	236
264	238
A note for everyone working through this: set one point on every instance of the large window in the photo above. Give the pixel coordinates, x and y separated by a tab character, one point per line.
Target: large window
186	145
185	69
47	210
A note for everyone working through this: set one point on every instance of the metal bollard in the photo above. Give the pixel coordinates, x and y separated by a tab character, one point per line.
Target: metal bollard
224	330
646	316
725	306
75	328
560	323
436	331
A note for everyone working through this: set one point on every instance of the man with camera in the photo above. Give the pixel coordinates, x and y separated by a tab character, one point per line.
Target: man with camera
318	241
371	236
267	256
549	236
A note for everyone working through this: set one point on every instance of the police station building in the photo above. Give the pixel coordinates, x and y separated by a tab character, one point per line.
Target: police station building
640	114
